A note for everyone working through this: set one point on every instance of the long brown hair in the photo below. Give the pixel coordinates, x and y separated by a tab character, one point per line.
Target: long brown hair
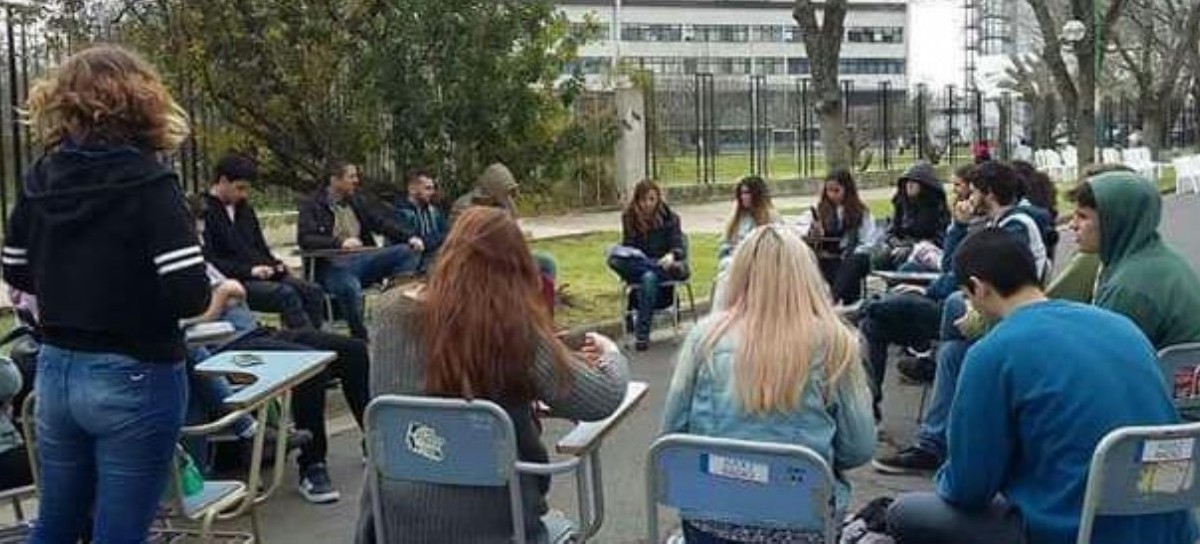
106	95
643	222
761	208
483	316
853	209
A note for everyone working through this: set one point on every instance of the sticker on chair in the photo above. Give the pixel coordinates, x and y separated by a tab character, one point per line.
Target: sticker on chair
423	440
1167	466
736	469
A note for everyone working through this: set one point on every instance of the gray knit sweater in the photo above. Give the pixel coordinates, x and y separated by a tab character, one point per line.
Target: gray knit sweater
426	513
10	385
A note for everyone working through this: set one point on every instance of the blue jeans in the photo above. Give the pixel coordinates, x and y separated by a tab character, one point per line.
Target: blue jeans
645	275
207	403
344	278
107	426
931	436
905	319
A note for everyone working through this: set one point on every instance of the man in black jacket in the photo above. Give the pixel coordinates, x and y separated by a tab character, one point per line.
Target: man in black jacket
234	243
337	218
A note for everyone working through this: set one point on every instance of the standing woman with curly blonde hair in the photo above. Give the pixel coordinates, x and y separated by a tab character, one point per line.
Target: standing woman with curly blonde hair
101	235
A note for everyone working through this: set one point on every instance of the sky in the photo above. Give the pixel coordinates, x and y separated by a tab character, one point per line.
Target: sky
935	42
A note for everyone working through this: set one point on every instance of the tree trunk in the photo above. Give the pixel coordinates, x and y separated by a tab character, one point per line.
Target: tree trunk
1152	125
1085	106
823	43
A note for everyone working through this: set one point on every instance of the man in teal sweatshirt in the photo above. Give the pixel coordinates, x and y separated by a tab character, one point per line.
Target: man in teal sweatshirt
1035	397
1140	277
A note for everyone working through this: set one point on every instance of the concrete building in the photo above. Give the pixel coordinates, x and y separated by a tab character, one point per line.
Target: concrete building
737	38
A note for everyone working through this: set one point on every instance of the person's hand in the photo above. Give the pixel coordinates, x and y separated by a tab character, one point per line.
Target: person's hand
352	243
232	289
909	288
262	272
667	260
594	347
416	244
963	210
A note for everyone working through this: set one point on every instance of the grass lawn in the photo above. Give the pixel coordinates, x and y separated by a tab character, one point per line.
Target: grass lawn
595	288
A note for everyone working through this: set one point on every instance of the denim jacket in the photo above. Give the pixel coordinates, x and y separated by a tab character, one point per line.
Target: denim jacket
840	427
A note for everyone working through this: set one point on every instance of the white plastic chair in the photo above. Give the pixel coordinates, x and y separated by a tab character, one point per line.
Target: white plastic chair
1110	155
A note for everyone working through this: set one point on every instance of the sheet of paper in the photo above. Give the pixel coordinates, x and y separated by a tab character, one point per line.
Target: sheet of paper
739	469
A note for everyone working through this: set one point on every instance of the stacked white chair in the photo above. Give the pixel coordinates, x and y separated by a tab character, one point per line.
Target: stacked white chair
1187	174
1140	159
1070	163
1110	155
1048	161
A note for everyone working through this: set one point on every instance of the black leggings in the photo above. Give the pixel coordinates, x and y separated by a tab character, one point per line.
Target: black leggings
352	367
14	469
845	276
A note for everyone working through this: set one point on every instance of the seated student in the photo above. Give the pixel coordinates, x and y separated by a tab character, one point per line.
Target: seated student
234	243
1077	279
1029	413
773	363
752	208
998	188
336	217
1117	217
920	214
1040	192
417	213
308	399
843	231
14	460
652	251
496	187
479	330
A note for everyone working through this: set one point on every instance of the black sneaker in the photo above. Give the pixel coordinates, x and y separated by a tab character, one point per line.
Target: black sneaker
917	370
910	460
642	345
315	485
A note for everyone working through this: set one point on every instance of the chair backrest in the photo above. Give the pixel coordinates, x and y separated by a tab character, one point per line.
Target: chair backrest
1180	366
1140	471
440	441
748	483
1070	157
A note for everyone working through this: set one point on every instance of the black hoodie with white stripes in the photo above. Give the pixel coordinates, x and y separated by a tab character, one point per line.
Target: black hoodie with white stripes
104	239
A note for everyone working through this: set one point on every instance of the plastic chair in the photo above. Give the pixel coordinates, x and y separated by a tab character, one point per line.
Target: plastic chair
758	484
678	288
1140	471
457	443
1180	366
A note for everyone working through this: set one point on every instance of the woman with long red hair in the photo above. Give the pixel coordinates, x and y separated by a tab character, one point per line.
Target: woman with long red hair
480	330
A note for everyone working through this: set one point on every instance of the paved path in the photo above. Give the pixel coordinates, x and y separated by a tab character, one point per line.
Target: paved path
705	217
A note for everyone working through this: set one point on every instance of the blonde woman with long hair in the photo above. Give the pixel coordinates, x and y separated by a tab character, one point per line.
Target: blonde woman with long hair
773	363
101	236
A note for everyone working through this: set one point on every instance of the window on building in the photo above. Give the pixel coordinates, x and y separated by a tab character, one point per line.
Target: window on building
875	34
721	33
770	66
798	66
793	34
639	32
768	33
868	66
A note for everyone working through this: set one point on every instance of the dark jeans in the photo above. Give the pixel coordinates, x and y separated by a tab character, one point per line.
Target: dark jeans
206	402
845	276
352	368
693	535
645	275
14	469
300	304
345	277
107	426
905	319
952	349
924	518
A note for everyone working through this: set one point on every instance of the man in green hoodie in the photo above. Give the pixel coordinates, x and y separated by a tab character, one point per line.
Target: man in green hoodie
1117	217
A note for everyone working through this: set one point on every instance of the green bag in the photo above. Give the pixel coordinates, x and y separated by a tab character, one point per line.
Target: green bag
191	479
